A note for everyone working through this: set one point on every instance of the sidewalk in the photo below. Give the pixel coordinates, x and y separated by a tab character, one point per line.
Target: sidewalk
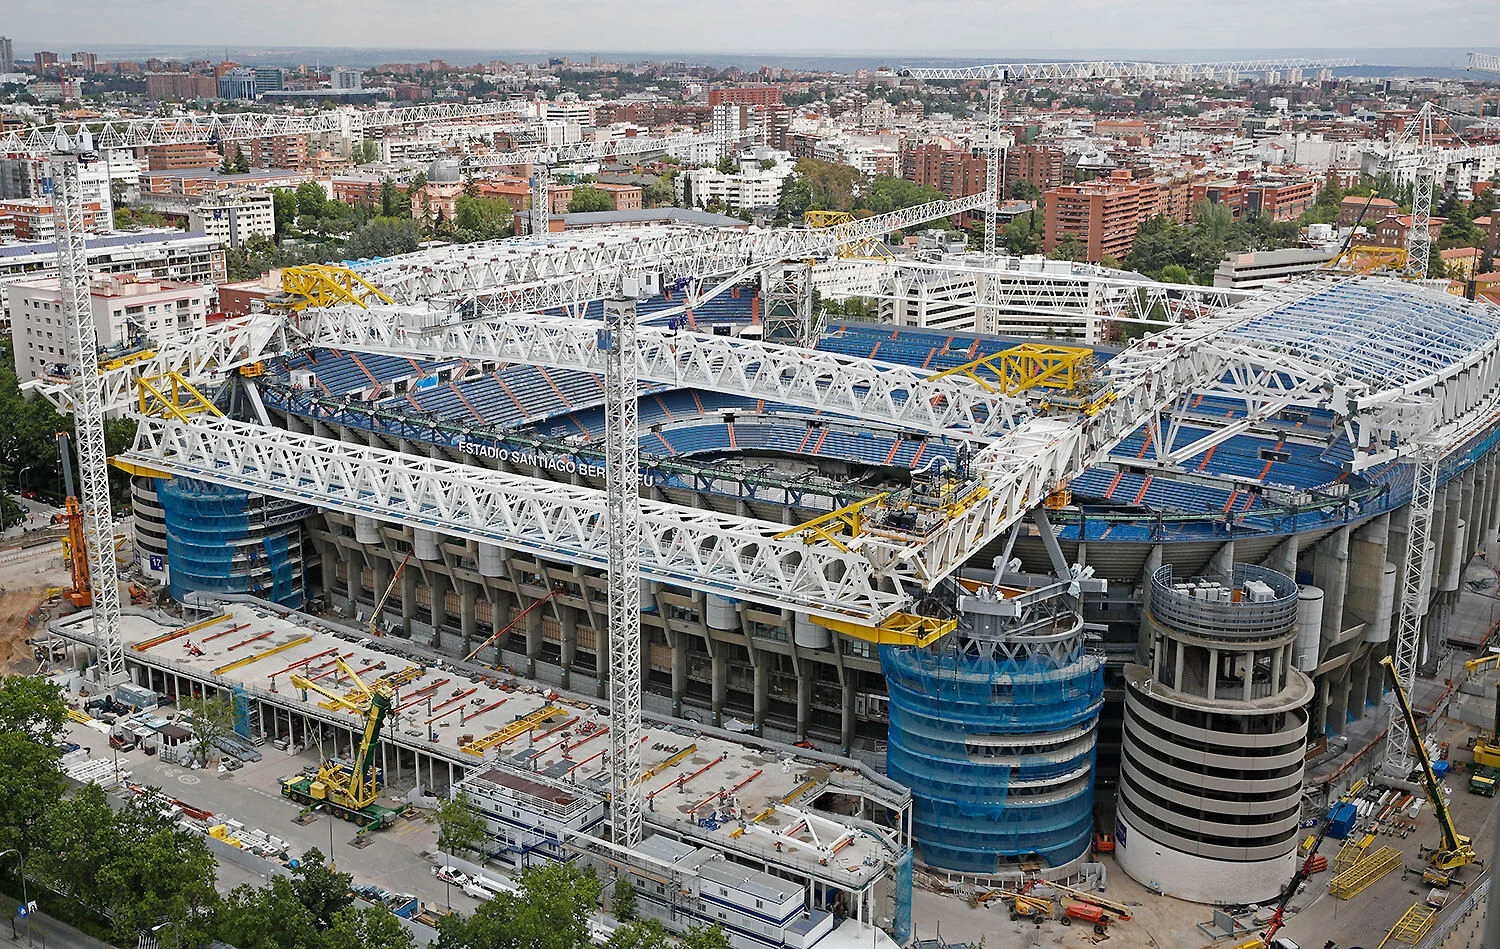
47	932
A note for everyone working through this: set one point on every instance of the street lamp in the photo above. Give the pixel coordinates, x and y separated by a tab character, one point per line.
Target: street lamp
25	900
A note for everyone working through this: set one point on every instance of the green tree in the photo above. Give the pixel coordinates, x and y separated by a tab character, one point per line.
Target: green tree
705	937
283	209
552	911
160	874
1022	237
310	199
80	838
639	934
887	193
687	192
796	198
1459	230
393	201
382	237
269	917
30	783
1067	248
1175	273
33	707
482	219
728	166
586	199
323	890
622	902
460	827
370	927
660	192
832	186
211	719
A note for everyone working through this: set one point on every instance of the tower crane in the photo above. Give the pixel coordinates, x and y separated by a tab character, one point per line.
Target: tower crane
1454	850
1484	62
68	147
1000	75
350	791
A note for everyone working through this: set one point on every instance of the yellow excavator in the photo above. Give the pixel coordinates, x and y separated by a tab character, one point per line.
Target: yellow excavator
349	790
1454	850
1487	747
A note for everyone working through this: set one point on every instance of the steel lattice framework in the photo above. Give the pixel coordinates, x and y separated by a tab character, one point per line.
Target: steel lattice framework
1486	62
93	454
587	151
232	126
622	475
882	393
528	275
201	358
733	556
1106	70
1398	758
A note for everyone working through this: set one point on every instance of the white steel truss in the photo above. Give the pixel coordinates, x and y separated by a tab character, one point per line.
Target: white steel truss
622	474
233	126
201	358
1116	69
528	275
884	393
1486	62
587	151
733	556
93	454
1419	234
1398	759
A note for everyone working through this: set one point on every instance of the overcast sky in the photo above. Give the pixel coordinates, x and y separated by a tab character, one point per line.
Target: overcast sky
936	27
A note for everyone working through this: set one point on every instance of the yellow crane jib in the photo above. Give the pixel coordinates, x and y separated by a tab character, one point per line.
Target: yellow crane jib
325	285
171	395
1368	259
836	527
1067	369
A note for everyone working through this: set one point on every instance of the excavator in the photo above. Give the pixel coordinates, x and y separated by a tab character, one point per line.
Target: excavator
1487	747
350	791
1455	850
80	594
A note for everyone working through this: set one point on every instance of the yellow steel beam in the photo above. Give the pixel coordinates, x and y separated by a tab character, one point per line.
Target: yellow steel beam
898	629
325	285
833	525
172	395
826	218
511	732
658	769
257	657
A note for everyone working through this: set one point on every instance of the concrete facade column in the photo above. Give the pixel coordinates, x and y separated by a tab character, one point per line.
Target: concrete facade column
1331	575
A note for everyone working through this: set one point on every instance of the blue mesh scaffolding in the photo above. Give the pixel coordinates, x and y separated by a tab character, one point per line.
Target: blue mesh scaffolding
976	809
213	546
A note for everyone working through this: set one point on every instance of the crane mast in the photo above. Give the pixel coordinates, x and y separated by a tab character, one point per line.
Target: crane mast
88	412
1455	850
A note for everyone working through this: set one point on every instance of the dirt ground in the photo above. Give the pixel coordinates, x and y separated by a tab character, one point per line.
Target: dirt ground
25	575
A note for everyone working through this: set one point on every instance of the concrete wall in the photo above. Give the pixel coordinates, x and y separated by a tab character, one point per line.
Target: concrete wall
1194	878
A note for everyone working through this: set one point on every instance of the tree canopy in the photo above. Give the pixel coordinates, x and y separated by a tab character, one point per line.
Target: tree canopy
586	199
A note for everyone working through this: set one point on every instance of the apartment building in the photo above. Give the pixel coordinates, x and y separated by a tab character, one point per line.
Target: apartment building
233	217
128	310
180	85
178	155
1374	210
1042	166
1101	215
1279	198
745	95
30	219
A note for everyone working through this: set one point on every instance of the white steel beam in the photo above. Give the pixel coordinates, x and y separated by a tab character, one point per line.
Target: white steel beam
1414	587
525	275
600	150
737	557
884	393
202	357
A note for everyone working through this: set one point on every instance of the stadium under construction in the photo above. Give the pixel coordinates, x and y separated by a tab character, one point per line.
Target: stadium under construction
1159	648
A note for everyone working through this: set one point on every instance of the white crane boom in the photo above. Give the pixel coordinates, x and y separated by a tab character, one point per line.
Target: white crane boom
1109	70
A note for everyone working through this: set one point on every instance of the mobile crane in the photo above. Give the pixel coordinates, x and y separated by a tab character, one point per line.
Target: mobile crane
1487	747
1455	850
348	790
1304	870
74	550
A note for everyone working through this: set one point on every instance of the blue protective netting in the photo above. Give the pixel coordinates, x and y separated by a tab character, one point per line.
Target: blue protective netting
973	811
901	921
213	547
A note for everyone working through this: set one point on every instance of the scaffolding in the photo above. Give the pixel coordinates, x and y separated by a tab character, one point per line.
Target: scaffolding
1413	925
222	540
966	730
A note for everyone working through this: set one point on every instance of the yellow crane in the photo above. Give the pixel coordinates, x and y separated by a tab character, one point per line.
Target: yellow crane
1454	850
1487	748
348	790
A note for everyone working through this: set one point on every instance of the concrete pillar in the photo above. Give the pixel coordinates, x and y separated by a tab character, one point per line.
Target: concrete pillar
408	580
762	663
533	641
569	643
1331	575
328	554
1283	557
468	613
678	641
718	677
1222	562
438	583
1319	723
804	698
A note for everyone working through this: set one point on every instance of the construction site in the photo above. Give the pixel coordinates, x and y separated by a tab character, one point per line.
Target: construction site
831	632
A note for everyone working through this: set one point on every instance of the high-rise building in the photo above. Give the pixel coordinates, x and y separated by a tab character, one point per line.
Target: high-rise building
269	79
88	62
235	216
1102	215
237	83
745	95
43	60
173	156
348	79
7	55
1039	165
